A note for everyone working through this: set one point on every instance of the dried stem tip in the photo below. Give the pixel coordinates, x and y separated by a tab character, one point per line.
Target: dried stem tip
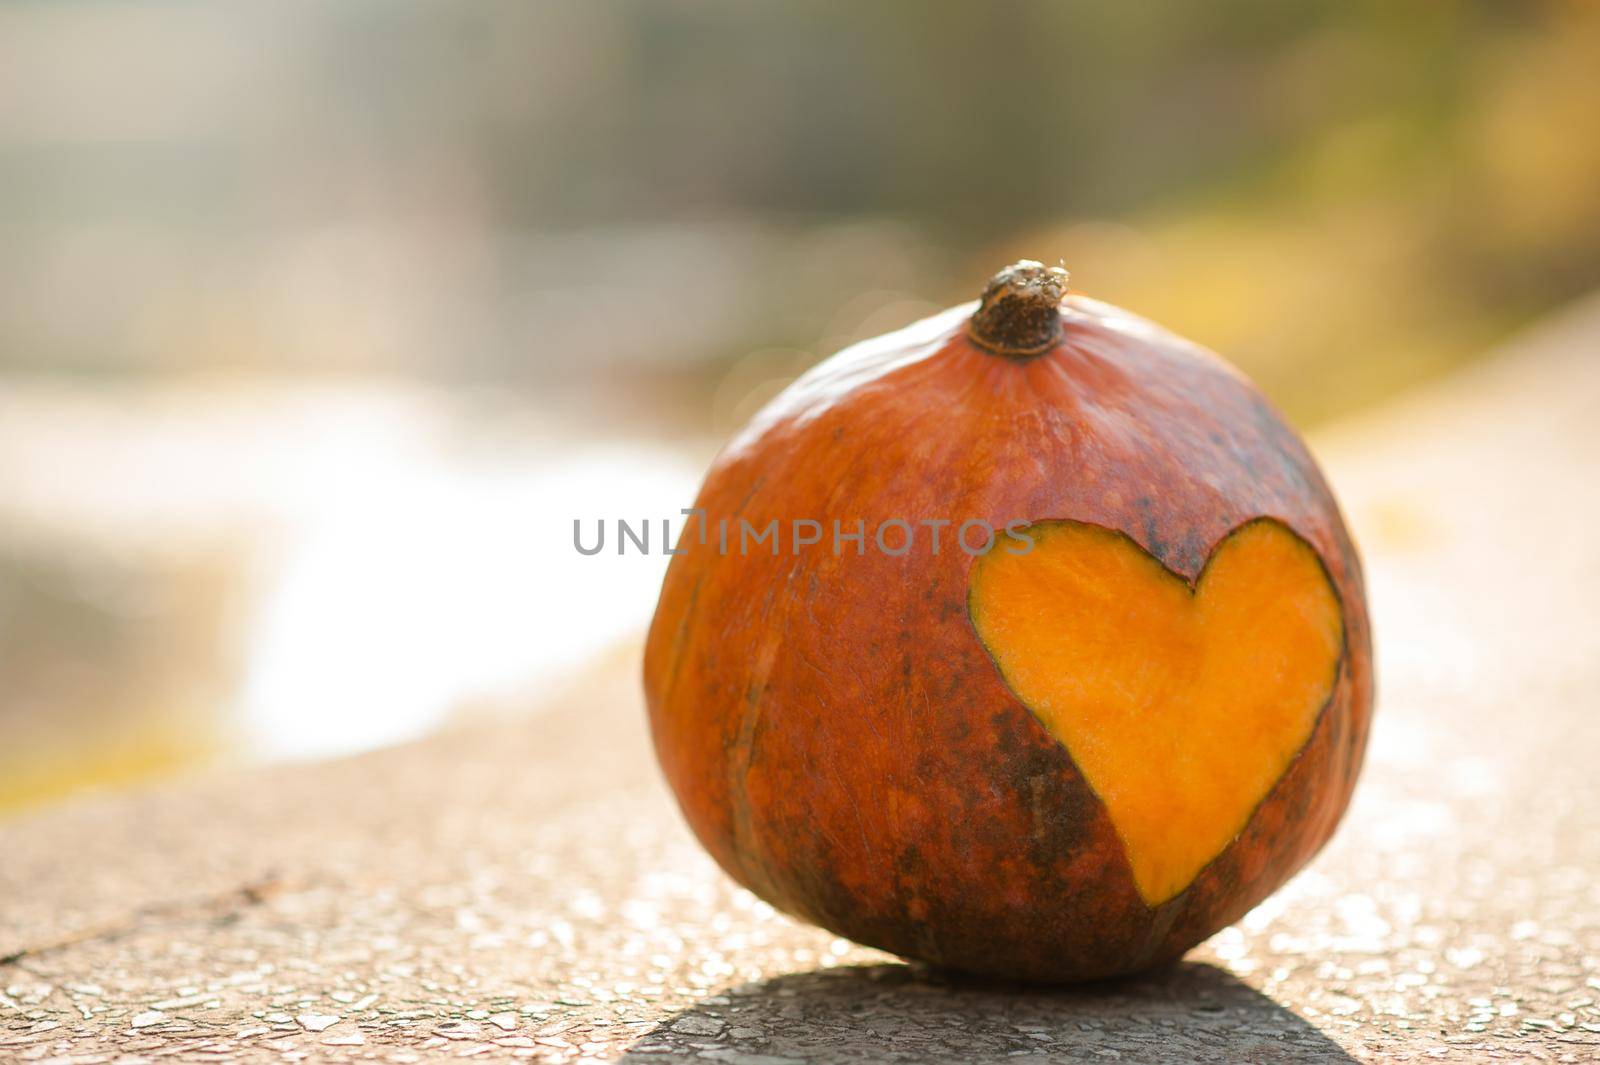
1018	315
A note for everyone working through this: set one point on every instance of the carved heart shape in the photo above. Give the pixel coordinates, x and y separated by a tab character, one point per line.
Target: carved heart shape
1182	706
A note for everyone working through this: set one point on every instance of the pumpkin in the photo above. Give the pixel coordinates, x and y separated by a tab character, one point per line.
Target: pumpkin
1026	641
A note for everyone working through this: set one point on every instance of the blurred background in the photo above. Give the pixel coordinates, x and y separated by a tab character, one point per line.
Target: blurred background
321	323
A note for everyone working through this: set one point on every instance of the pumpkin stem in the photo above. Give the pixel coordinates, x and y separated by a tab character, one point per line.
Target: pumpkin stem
1018	315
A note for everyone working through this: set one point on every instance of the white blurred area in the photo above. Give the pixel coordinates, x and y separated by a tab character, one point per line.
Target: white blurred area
311	351
401	555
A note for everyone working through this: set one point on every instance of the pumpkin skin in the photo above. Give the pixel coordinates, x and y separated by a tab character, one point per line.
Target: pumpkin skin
836	733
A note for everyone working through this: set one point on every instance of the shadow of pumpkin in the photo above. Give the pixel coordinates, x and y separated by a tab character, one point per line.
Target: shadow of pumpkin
890	1012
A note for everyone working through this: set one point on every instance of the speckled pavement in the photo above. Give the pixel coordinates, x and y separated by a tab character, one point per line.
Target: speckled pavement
526	890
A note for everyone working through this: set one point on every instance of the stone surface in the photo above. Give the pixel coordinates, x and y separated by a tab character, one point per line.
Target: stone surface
526	891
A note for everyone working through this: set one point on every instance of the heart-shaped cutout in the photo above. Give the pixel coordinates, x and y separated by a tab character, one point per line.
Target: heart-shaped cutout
1181	706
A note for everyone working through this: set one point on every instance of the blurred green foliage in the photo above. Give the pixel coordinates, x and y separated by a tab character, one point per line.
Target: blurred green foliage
1341	197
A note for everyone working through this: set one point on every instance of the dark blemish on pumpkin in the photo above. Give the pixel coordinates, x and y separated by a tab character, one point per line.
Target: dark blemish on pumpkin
1194	553
1155	545
755	486
1004	731
680	637
826	899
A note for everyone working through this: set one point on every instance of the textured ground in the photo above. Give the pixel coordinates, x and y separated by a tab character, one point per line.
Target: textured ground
526	890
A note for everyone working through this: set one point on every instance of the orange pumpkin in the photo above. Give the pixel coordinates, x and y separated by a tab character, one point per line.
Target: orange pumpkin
1094	680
